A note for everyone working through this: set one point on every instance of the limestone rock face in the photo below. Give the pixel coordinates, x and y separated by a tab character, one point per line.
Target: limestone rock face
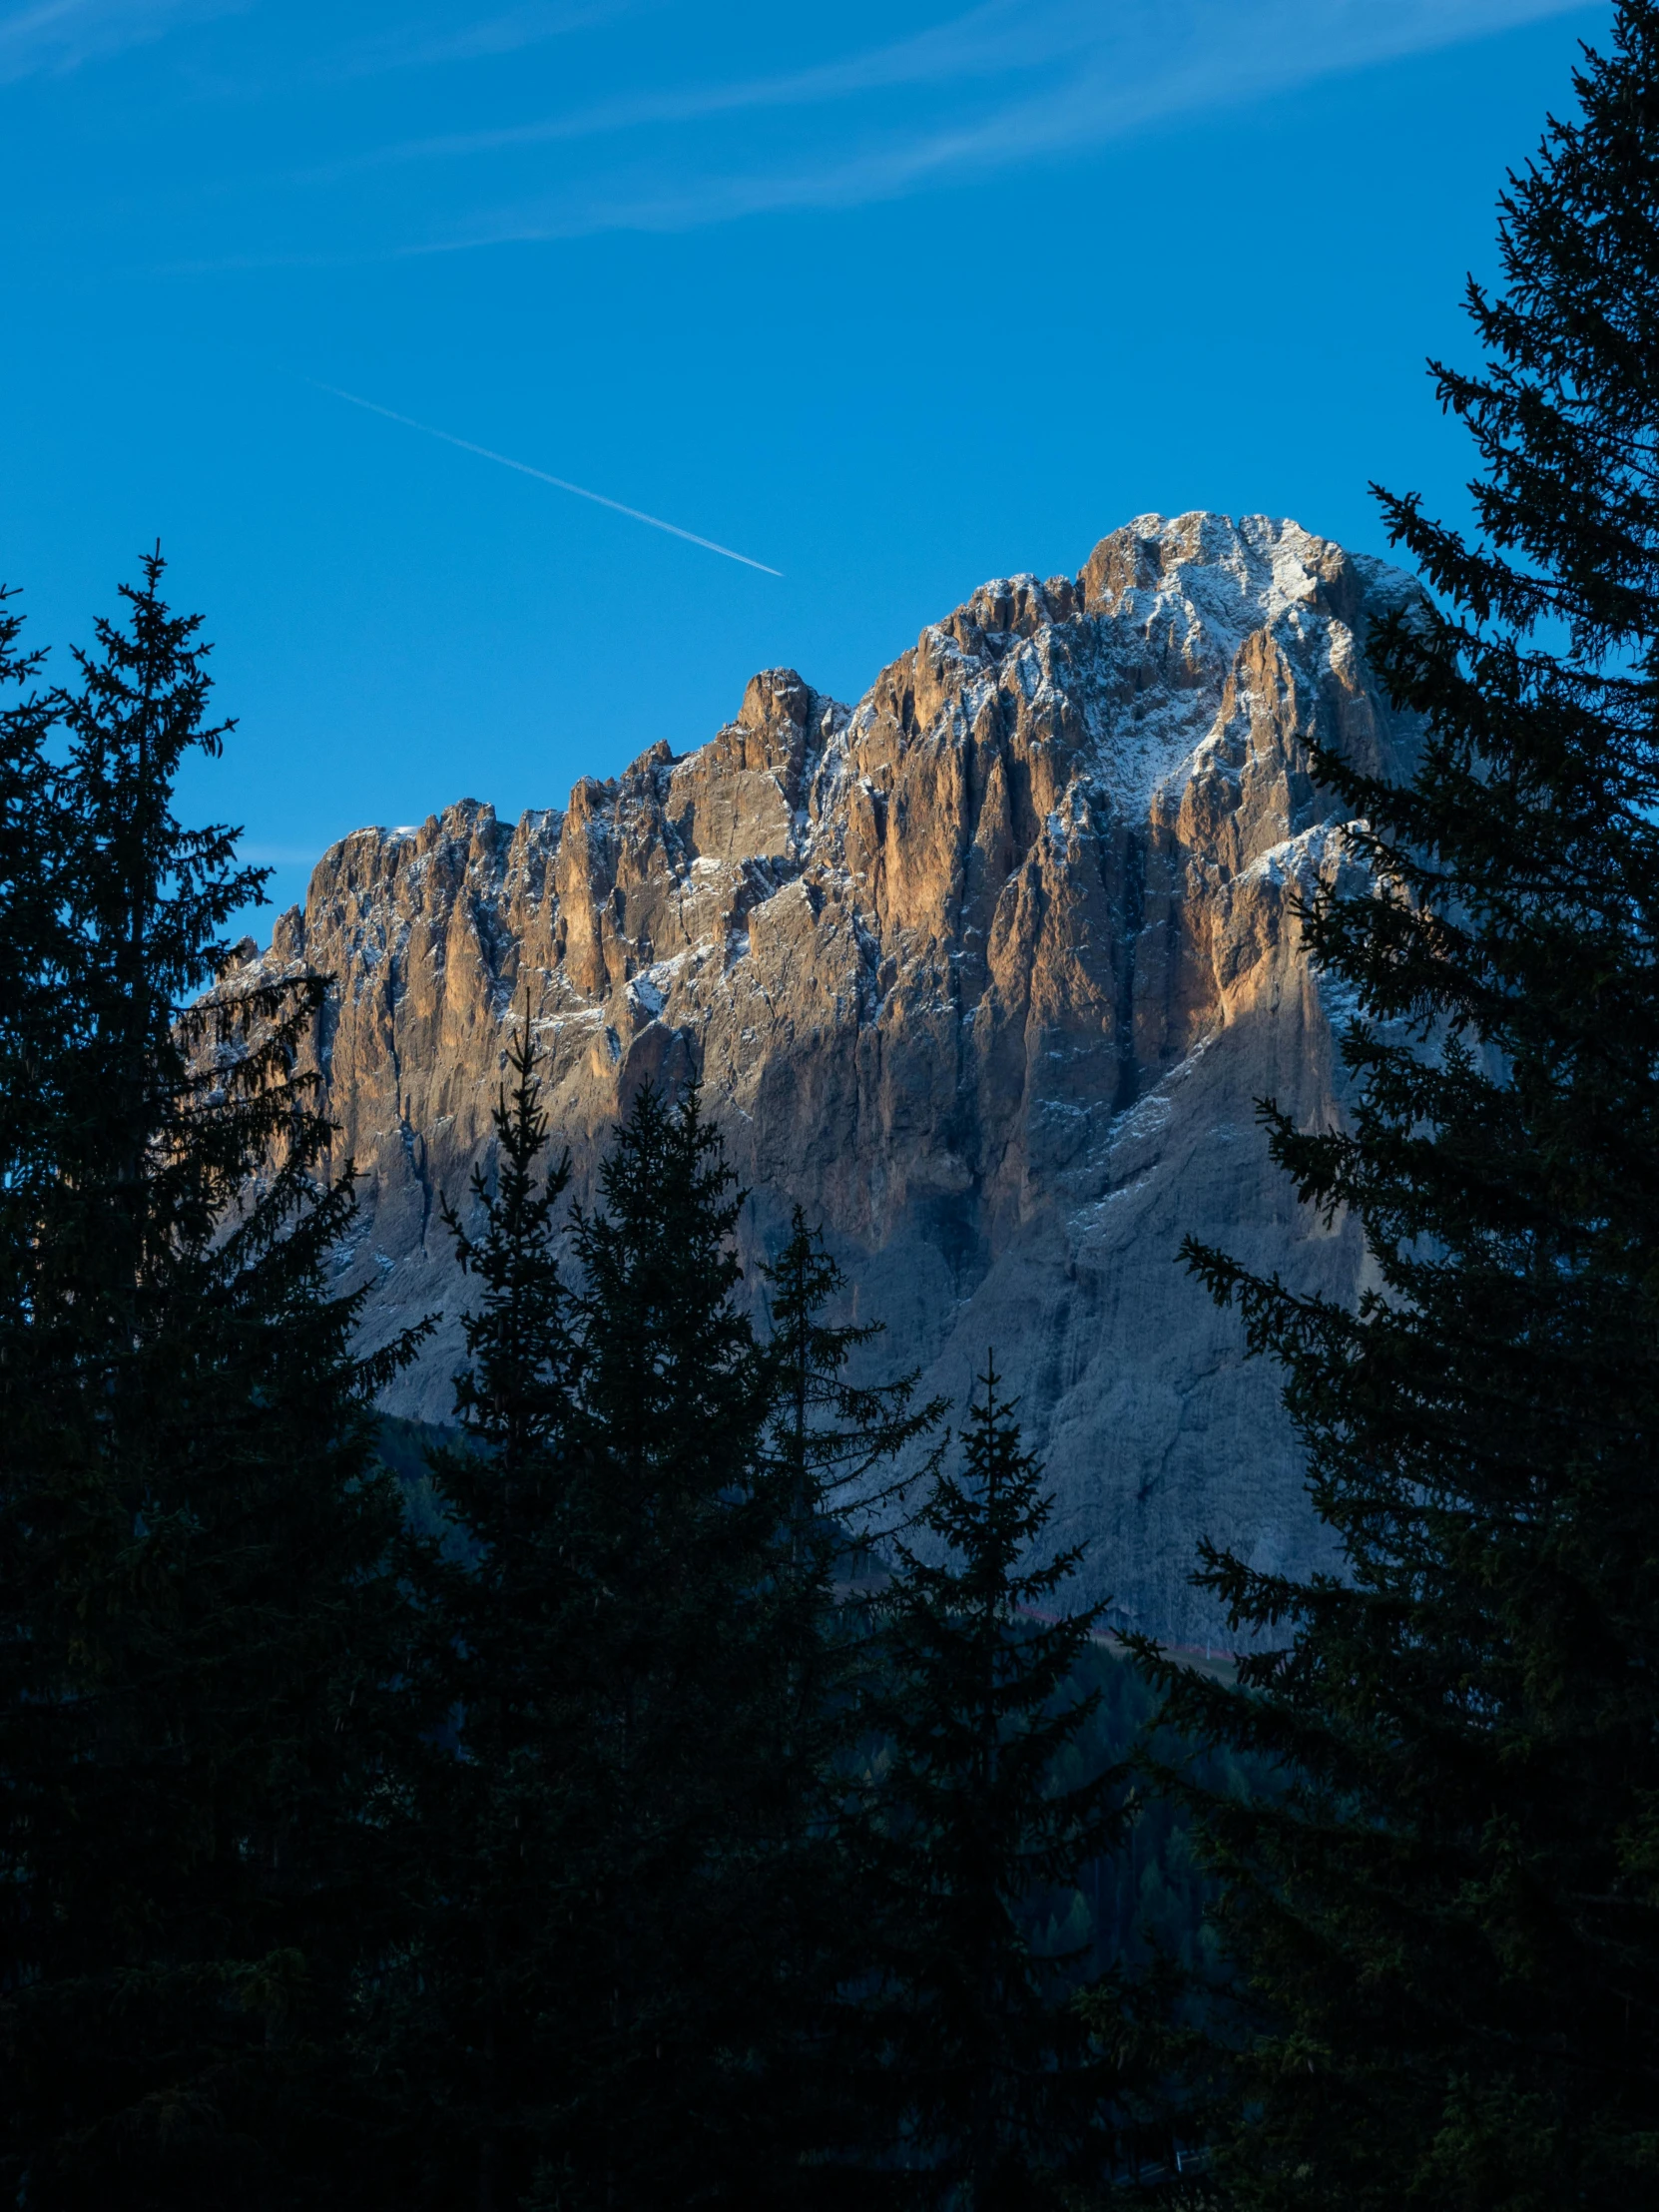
986	970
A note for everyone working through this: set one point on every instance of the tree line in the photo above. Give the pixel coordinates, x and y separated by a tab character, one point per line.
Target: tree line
624	1838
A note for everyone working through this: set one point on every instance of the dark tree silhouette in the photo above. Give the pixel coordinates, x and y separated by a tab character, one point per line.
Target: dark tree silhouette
1449	1918
988	2065
199	1619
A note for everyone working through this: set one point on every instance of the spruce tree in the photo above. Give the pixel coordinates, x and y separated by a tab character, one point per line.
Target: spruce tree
33	948
490	1837
664	2034
840	1452
988	2069
832	1434
1448	1919
198	1622
635	1904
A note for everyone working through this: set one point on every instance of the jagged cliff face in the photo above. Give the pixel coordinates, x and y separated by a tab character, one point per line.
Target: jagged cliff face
986	971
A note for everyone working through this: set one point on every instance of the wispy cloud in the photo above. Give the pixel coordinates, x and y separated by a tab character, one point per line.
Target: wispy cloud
1066	74
61	34
426	44
1000	86
993	39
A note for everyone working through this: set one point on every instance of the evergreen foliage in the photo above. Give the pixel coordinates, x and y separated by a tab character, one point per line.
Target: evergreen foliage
1448	1919
500	1842
596	1846
403	1448
635	1903
198	1620
830	1434
838	1450
670	2073
1144	1896
986	2059
33	954
487	1845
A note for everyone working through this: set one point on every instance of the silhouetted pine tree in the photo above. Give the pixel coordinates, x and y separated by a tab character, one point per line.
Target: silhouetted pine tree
833	1436
491	1840
197	1622
839	1448
1449	1920
635	1905
664	2072
989	2069
33	952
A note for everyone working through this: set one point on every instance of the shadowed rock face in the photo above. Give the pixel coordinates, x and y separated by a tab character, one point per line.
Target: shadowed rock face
987	971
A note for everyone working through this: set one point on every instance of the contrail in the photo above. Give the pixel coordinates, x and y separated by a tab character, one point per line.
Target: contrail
540	474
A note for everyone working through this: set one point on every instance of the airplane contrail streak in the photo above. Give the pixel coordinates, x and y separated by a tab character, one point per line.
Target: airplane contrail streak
559	483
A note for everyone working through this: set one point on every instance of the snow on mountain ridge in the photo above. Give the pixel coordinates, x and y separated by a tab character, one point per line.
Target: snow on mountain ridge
986	970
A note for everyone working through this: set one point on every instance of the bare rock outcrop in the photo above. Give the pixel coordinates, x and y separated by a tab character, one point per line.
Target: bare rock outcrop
986	970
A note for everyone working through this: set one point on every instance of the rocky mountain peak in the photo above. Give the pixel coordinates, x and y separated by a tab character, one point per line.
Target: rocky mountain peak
986	970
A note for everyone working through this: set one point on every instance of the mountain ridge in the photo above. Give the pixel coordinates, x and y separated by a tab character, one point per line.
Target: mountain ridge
986	969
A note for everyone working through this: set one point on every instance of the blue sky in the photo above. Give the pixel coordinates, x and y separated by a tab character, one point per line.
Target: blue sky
885	299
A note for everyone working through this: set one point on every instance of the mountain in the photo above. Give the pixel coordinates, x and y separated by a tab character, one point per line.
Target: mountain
986	970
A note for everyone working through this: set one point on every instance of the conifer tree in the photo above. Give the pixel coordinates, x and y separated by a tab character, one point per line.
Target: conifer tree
839	1450
198	1625
635	1896
491	1838
663	2072
32	946
830	1433
1448	1919
988	2066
